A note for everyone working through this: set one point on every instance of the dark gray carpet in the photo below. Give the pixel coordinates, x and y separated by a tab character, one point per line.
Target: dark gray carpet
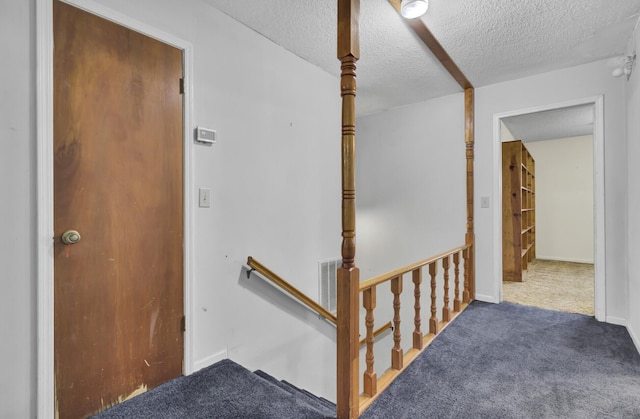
223	390
493	361
511	361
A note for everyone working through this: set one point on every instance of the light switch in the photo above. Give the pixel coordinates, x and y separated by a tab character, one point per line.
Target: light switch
205	198
484	202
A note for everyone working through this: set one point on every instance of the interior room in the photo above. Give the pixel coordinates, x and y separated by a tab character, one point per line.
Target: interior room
560	275
304	131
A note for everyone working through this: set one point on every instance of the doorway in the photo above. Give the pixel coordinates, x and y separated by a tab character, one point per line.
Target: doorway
116	231
593	106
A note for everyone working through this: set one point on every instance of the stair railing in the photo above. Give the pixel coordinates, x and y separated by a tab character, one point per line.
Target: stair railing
399	361
293	291
298	295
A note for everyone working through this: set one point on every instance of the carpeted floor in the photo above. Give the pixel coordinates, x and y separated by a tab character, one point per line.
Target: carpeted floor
554	285
494	361
511	361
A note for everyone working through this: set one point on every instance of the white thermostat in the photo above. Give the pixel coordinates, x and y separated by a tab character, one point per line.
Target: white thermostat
205	135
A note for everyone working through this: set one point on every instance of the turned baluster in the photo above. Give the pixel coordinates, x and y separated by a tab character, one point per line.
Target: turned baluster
433	321
456	273
465	292
417	333
446	311
396	352
370	379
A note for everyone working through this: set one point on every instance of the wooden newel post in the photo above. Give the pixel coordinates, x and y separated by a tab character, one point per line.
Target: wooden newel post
348	280
469	139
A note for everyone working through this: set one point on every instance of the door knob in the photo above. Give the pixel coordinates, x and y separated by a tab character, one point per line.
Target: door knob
70	237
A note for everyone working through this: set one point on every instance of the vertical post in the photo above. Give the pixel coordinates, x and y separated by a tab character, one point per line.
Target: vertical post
446	311
396	351
348	274
417	320
469	139
433	320
370	377
456	273
466	264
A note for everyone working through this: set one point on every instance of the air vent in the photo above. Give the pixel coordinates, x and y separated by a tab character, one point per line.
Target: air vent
327	272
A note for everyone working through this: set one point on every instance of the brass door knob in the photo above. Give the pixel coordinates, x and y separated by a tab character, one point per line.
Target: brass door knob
70	237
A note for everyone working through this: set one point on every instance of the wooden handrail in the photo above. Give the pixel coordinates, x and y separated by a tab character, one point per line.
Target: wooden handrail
293	291
401	271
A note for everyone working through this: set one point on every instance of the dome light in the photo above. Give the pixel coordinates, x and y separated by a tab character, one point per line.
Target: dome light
412	9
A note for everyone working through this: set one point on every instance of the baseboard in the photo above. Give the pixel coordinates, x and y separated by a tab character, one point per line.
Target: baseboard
622	322
540	257
210	360
617	321
486	298
634	338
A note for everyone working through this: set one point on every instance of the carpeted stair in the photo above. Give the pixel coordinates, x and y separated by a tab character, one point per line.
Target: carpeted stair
320	403
224	390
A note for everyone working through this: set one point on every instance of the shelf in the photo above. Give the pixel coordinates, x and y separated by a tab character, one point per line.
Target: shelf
525	251
518	215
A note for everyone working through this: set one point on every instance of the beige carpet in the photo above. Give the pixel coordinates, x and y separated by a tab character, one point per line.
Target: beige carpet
562	286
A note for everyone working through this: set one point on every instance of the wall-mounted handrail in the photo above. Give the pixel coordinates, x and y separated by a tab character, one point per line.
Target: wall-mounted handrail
293	291
370	283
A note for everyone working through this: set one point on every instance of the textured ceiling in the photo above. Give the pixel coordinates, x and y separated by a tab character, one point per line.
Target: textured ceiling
553	124
490	40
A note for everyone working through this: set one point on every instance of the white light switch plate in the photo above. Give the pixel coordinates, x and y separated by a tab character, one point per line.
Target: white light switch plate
484	202
205	198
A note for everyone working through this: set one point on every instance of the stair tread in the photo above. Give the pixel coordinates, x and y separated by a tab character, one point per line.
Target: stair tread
320	403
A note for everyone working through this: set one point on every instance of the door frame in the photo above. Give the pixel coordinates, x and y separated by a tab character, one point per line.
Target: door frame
598	196
44	122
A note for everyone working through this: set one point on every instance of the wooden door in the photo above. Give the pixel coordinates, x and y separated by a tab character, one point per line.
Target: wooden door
118	181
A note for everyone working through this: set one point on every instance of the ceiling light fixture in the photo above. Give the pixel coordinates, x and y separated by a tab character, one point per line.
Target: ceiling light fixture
412	9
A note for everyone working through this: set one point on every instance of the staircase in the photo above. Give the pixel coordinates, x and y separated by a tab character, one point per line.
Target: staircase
224	390
325	407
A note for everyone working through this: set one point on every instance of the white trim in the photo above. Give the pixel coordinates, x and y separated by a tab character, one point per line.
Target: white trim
599	236
487	298
210	360
561	259
618	321
634	337
598	196
44	74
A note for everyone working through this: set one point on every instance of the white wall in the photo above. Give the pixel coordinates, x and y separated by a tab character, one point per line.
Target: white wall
633	191
505	134
550	88
17	210
411	202
411	184
275	181
564	198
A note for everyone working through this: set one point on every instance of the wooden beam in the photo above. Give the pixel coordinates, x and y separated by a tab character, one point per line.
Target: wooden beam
420	29
348	275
